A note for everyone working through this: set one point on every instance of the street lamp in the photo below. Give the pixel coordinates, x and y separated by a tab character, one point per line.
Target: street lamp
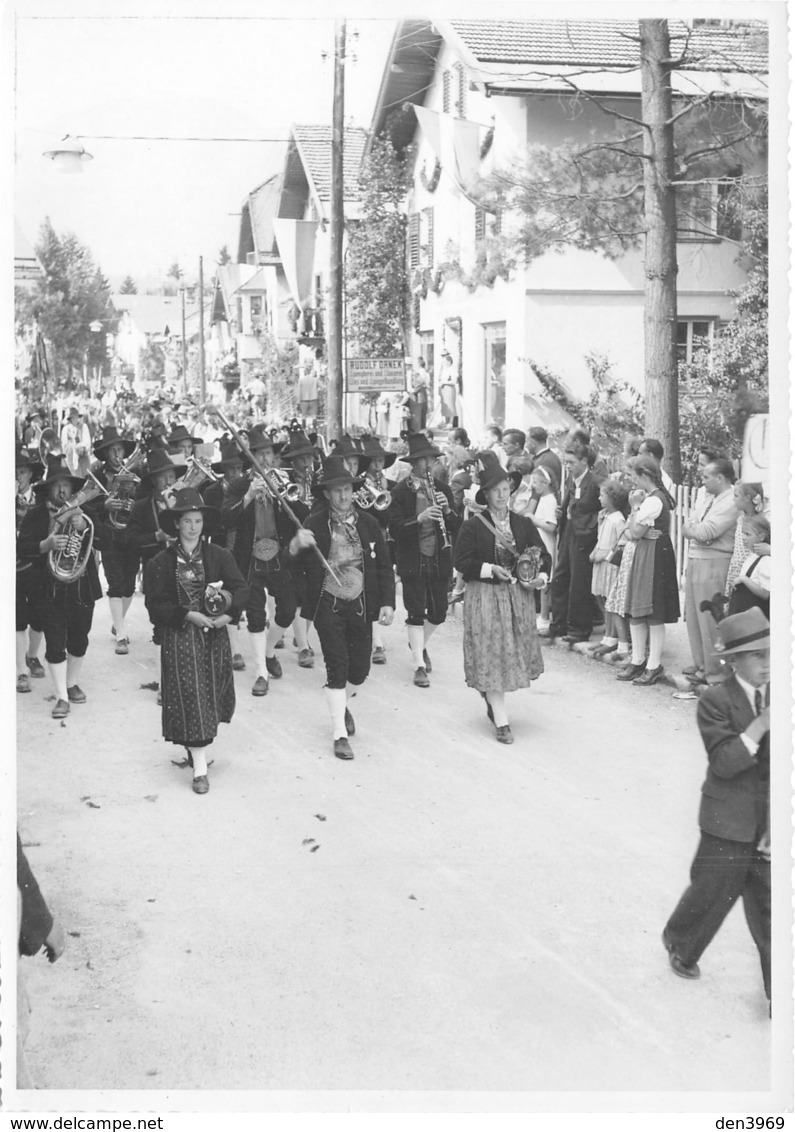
69	156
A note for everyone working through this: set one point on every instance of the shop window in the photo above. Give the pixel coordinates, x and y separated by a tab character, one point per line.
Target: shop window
495	366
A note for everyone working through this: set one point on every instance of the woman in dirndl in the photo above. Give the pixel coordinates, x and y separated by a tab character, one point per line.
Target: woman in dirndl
652	596
194	589
502	651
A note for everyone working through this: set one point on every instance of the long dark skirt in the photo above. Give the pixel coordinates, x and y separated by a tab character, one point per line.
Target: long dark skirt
197	684
502	651
652	590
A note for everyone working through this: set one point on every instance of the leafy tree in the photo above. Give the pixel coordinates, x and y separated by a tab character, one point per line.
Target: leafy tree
280	374
128	286
72	294
174	272
376	280
224	256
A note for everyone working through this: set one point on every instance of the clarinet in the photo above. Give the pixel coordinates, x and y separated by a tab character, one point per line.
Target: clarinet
431	490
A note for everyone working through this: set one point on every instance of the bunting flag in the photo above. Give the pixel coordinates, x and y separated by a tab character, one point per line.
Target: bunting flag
296	242
456	144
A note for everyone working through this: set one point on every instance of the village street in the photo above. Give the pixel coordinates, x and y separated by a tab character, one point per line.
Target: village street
442	913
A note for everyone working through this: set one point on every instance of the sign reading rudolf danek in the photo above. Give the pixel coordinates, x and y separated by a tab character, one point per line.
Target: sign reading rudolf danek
375	375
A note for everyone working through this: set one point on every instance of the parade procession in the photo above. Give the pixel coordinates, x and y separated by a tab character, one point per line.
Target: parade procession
393	647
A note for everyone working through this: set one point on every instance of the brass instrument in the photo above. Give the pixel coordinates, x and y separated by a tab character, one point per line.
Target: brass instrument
430	489
198	474
369	496
122	485
69	564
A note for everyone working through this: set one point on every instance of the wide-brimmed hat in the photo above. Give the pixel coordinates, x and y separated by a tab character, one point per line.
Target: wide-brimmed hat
351	446
25	460
159	460
230	454
298	445
73	412
58	469
259	437
743	632
334	473
490	473
188	499
110	435
420	445
180	433
373	447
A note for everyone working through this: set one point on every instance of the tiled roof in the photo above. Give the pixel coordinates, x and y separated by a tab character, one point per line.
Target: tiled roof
314	145
610	43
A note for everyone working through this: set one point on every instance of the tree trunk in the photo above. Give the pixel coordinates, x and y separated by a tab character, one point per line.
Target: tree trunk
334	395
659	315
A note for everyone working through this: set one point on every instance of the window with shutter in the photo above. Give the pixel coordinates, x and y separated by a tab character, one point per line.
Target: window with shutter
461	104
446	92
496	222
480	225
414	239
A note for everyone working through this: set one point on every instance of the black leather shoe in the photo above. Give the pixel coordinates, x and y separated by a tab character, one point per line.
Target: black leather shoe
677	966
260	687
238	664
650	676
201	784
504	734
421	678
631	671
273	666
76	694
342	749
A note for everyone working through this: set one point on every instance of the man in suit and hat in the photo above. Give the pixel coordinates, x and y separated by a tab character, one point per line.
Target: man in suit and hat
299	457
571	601
263	531
119	559
344	605
143	533
67	606
180	441
422	521
733	856
28	616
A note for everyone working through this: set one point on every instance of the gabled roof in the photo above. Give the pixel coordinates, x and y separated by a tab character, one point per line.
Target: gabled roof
312	146
154	314
232	278
256	221
612	43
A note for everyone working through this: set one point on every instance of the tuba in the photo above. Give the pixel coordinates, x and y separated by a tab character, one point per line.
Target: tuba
69	564
369	496
122	486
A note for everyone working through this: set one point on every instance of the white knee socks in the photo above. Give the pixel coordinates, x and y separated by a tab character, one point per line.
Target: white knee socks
416	644
428	630
656	644
274	635
335	699
58	673
117	616
73	666
497	701
378	636
22	652
199	756
35	643
300	632
638	633
259	641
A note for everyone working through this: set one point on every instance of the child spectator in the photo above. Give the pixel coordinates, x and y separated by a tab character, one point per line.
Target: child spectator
752	584
546	519
612	522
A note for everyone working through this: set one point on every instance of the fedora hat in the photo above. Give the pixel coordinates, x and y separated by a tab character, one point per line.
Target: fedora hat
74	412
58	469
298	445
25	460
259	438
334	473
188	499
420	445
159	460
491	472
110	435
180	433
230	454
351	446
373	447
748	631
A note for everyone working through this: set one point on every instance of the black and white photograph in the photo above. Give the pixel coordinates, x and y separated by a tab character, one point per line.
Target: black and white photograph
401	418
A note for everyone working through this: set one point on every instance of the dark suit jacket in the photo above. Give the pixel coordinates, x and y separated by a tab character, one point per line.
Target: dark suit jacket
405	530
735	795
33	530
379	579
476	545
36	922
239	517
584	511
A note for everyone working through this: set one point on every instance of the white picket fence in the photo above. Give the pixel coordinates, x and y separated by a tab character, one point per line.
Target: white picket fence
685	500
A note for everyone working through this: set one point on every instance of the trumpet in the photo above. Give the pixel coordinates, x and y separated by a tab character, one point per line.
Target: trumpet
122	485
198	474
69	564
276	484
369	496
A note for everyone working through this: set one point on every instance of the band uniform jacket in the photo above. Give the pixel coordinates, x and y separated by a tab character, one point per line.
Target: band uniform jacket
476	545
238	517
736	793
379	578
33	530
584	511
141	530
404	528
161	584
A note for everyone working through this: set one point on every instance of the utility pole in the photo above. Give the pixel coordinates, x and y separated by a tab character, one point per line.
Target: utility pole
202	383
184	345
334	393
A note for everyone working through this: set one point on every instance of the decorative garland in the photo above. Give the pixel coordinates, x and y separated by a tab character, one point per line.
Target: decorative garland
430	183
487	143
555	389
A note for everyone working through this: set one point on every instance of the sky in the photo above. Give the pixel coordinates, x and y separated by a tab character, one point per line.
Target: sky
141	205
